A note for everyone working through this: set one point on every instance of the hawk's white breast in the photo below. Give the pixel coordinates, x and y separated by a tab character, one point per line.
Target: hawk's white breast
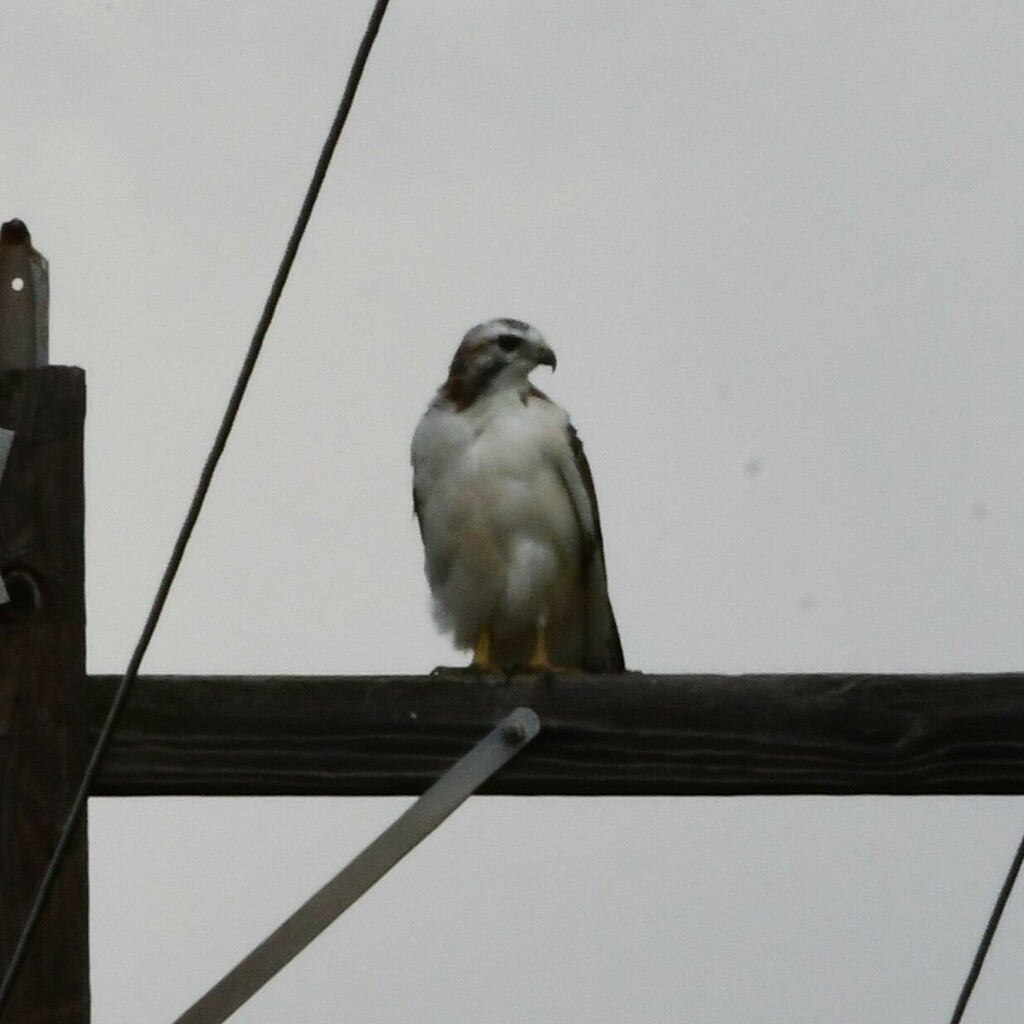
500	532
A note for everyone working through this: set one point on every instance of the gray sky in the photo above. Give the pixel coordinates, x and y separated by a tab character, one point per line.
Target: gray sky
778	250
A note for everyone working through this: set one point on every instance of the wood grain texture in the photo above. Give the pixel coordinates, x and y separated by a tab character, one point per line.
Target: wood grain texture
601	735
42	689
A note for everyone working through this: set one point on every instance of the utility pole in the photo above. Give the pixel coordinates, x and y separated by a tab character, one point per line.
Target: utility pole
42	645
627	734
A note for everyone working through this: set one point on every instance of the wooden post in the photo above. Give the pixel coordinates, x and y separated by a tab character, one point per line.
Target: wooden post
42	647
24	300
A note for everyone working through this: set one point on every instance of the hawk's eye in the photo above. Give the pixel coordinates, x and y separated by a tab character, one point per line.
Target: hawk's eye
509	342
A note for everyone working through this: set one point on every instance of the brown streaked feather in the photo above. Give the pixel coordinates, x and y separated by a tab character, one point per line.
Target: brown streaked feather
533	392
417	511
467	378
602	646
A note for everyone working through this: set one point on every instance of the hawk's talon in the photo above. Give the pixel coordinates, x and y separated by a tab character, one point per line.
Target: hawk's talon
482	656
540	662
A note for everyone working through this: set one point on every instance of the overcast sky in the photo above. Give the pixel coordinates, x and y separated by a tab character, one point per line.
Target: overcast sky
777	248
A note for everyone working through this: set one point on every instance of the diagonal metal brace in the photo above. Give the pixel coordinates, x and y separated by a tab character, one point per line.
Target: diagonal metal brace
323	908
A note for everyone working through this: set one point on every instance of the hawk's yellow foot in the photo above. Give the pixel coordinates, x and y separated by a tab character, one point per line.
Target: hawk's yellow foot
482	654
539	660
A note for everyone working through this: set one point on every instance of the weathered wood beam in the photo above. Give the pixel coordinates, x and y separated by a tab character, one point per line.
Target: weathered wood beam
42	690
601	735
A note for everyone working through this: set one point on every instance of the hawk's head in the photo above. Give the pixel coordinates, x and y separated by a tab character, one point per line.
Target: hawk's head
494	355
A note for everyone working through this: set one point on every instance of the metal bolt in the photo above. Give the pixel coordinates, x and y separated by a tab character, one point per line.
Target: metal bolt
24	594
515	733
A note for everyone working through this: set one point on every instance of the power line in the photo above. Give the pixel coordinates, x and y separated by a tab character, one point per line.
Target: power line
990	931
198	497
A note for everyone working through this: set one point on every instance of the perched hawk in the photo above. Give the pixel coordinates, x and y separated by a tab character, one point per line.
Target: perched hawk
508	514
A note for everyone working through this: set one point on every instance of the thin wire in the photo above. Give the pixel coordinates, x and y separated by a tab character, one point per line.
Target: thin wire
198	497
990	931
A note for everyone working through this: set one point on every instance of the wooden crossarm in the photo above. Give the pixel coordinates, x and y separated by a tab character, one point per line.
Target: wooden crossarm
603	735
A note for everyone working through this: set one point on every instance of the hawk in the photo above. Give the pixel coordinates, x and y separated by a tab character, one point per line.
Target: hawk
508	514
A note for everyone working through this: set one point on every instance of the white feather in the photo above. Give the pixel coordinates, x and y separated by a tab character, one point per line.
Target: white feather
501	535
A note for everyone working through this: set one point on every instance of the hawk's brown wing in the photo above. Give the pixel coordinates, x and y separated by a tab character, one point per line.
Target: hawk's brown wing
602	647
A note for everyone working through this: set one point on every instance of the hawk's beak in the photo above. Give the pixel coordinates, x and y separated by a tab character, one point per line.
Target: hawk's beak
545	357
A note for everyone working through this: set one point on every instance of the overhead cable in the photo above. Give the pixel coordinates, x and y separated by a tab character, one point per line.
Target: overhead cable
989	934
198	498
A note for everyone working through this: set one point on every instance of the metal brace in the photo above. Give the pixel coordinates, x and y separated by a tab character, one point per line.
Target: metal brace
322	909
